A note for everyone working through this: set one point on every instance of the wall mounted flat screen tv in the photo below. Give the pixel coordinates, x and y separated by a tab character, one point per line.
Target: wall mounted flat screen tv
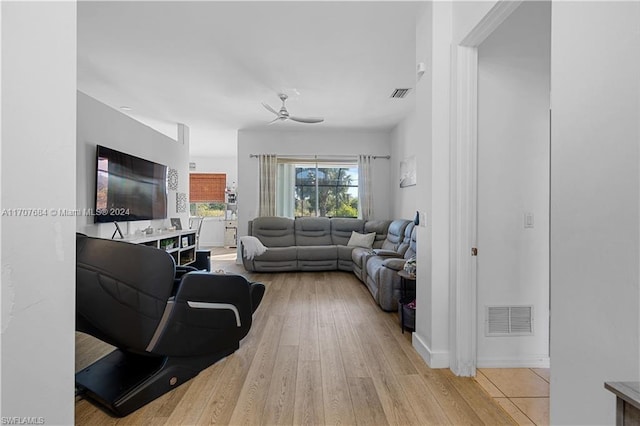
128	188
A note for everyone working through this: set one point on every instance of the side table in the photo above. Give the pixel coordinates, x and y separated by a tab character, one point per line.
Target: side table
407	315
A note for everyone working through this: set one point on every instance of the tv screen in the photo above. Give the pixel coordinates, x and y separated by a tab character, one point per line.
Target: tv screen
129	188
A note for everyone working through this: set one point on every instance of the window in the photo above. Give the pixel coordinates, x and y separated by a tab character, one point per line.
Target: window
318	189
206	194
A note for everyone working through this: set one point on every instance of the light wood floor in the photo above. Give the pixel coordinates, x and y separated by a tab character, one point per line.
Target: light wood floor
320	351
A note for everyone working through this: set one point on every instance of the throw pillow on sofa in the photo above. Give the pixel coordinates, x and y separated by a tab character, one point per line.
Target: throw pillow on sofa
361	240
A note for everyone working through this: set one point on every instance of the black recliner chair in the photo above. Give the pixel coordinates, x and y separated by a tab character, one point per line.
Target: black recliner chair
165	333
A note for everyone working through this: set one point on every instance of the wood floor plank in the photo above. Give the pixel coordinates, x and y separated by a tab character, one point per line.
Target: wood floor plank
224	393
320	351
422	401
365	399
396	356
225	388
250	405
392	397
291	329
394	401
197	396
280	401
309	350
338	407
309	405
352	357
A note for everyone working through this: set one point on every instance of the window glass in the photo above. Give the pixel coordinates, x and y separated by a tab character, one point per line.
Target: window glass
215	209
326	190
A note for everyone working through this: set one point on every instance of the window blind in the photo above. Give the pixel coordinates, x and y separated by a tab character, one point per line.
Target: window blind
207	187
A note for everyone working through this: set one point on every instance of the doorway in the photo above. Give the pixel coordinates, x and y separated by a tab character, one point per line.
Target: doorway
513	175
470	324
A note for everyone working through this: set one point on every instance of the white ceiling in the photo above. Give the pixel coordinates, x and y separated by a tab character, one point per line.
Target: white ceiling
210	64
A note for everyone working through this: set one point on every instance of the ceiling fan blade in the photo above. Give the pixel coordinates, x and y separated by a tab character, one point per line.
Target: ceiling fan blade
274	120
307	120
270	109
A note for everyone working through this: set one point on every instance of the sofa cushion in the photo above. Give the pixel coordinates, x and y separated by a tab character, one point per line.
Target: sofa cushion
317	252
395	234
313	231
342	227
274	254
344	252
406	240
394	263
380	227
274	231
361	240
411	251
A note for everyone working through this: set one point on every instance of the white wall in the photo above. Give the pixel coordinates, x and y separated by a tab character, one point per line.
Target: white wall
467	15
227	165
310	142
433	41
213	228
38	95
513	178
99	124
415	135
594	207
406	142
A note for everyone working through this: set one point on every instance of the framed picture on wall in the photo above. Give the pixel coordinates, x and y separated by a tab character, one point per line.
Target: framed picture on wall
408	172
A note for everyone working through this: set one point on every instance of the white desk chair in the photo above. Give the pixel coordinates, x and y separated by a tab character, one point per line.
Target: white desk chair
195	222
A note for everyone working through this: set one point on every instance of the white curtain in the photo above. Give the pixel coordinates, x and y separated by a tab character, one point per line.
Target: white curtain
268	172
286	190
365	195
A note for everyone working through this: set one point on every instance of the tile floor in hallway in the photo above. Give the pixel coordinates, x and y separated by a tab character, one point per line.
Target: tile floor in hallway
522	392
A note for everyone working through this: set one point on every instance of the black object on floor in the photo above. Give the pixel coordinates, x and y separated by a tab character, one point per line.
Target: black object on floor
167	326
203	260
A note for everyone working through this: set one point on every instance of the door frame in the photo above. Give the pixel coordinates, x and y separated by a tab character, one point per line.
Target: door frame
464	188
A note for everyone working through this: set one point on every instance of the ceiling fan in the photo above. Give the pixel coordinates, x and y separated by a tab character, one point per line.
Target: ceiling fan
283	114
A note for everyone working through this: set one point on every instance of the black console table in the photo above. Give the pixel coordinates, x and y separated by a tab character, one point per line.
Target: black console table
407	295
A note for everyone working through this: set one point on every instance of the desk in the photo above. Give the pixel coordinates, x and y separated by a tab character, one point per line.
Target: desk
627	401
407	315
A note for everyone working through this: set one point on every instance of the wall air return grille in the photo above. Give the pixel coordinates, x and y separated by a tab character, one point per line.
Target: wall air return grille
192	166
399	93
509	320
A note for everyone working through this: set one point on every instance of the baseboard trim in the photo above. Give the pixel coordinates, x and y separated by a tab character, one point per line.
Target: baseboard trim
434	359
520	362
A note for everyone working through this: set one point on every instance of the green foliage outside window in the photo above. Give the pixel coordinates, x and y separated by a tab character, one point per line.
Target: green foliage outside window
215	209
335	194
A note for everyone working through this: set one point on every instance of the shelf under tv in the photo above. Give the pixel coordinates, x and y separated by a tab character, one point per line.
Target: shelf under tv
172	242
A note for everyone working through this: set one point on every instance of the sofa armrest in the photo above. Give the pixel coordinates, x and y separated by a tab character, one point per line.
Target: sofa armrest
386	253
394	263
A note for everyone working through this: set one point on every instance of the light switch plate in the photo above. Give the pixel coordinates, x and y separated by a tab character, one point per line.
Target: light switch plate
528	220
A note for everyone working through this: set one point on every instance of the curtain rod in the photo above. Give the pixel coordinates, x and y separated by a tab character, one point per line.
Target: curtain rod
387	157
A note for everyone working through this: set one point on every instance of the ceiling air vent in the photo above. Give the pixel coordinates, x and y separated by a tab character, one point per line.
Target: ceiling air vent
400	93
509	320
192	166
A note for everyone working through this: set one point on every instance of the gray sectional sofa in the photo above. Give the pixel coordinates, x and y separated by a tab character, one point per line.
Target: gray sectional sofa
320	244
